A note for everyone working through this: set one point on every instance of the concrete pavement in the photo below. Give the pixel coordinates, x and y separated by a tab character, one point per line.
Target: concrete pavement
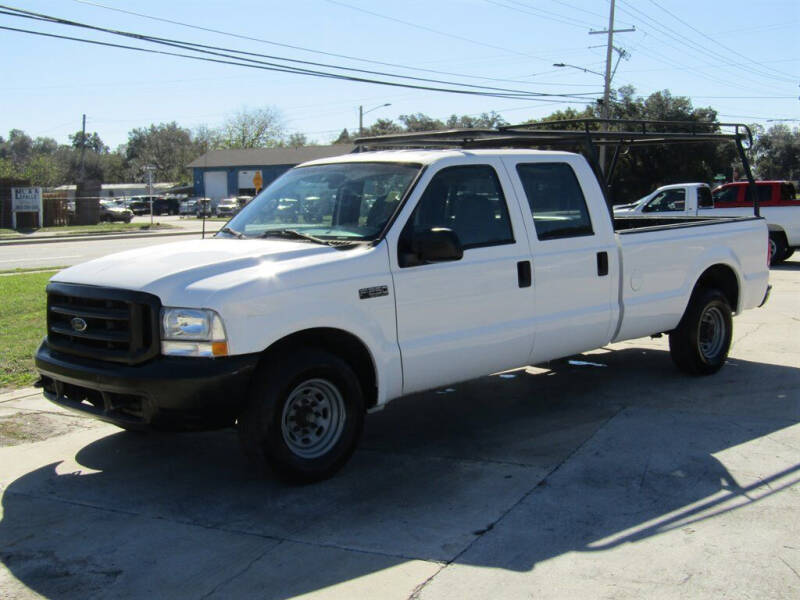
623	480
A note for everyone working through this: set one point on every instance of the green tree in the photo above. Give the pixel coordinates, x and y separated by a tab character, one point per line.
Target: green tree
253	128
344	137
777	152
484	120
382	127
420	122
91	141
167	147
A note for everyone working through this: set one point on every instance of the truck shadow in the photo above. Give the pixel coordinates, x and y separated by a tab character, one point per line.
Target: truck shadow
505	471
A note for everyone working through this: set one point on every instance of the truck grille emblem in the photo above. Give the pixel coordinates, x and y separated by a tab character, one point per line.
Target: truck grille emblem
78	324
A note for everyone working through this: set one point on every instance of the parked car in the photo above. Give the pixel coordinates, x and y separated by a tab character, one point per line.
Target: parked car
110	211
227	207
205	207
432	267
188	208
777	201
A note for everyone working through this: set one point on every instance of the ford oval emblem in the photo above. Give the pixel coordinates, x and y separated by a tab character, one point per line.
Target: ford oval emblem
78	324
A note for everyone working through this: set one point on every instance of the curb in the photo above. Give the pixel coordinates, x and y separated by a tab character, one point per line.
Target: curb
99	236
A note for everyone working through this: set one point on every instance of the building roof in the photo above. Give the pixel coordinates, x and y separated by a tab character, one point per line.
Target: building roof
250	157
120	186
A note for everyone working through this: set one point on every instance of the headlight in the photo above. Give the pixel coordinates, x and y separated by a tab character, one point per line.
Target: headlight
192	332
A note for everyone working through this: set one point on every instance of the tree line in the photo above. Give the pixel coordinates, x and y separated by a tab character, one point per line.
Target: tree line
169	147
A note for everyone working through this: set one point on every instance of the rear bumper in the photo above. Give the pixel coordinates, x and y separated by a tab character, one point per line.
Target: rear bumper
169	393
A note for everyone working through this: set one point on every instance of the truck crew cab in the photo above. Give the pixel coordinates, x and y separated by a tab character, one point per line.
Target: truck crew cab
428	267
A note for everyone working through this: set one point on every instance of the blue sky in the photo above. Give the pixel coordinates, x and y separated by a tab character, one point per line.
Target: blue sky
742	58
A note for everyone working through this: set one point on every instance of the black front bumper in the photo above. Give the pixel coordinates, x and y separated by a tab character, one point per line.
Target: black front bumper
168	393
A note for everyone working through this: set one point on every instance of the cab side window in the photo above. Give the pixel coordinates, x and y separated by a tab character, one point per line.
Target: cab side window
556	200
468	200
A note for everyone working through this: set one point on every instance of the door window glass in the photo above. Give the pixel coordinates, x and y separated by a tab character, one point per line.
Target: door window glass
667	201
556	200
468	200
726	195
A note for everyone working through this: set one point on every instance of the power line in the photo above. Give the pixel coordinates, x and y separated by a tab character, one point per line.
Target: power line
431	30
295	47
696	47
207	49
728	48
537	12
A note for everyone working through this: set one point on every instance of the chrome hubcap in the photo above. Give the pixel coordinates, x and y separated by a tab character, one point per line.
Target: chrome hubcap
313	418
711	336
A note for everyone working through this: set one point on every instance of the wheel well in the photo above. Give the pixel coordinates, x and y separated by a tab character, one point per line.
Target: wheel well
723	278
341	343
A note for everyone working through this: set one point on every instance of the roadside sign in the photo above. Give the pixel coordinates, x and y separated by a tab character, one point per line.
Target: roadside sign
26	200
257	181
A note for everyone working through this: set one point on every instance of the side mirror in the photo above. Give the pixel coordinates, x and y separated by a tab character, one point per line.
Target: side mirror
439	244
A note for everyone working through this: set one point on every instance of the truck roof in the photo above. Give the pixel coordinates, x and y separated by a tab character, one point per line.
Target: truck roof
427	157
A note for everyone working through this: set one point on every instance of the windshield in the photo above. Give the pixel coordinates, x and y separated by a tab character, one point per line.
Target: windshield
344	201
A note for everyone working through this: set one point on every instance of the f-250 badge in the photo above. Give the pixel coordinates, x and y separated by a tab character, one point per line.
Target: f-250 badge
373	292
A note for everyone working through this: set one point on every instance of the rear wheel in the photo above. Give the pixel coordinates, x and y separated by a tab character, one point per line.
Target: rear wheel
304	416
778	248
700	343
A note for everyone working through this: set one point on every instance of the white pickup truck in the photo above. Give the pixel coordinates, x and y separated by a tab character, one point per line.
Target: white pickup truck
777	205
355	280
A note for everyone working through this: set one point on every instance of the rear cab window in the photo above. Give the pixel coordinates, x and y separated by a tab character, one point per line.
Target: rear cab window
556	200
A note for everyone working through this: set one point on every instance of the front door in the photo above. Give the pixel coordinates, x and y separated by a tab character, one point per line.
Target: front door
461	319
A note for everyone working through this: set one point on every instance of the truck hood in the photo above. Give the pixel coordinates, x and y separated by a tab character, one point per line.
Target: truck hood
191	270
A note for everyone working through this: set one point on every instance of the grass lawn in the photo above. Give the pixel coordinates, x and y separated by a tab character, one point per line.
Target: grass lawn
83	229
22	326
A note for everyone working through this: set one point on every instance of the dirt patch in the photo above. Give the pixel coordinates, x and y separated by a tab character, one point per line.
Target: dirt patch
27	427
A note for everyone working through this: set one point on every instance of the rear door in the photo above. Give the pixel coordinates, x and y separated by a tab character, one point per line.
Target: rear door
574	254
470	317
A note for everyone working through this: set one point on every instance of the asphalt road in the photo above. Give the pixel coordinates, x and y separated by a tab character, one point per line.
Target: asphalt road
67	253
610	476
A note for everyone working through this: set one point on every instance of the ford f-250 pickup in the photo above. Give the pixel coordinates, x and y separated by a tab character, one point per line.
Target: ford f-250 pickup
426	267
777	205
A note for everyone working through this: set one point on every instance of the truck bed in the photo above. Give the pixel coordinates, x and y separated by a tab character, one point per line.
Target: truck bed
634	224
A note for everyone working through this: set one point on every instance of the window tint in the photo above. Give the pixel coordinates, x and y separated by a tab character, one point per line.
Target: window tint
728	194
668	200
556	200
764	193
468	200
787	192
704	198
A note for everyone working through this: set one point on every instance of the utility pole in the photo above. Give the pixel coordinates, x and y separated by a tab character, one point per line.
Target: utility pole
150	169
83	149
607	88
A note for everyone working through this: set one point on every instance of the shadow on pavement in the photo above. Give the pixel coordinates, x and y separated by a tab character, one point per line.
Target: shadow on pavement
502	472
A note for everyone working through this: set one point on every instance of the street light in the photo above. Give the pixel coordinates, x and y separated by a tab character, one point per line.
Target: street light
579	68
362	112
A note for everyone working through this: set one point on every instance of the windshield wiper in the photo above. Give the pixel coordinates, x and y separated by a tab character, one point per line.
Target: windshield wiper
232	232
293	233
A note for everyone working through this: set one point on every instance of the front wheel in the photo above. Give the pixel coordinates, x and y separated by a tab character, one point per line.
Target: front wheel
700	343
304	416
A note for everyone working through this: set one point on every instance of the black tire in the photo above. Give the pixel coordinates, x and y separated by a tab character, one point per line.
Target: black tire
304	416
778	247
700	343
788	254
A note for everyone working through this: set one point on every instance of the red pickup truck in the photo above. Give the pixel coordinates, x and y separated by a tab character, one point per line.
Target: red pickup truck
770	193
